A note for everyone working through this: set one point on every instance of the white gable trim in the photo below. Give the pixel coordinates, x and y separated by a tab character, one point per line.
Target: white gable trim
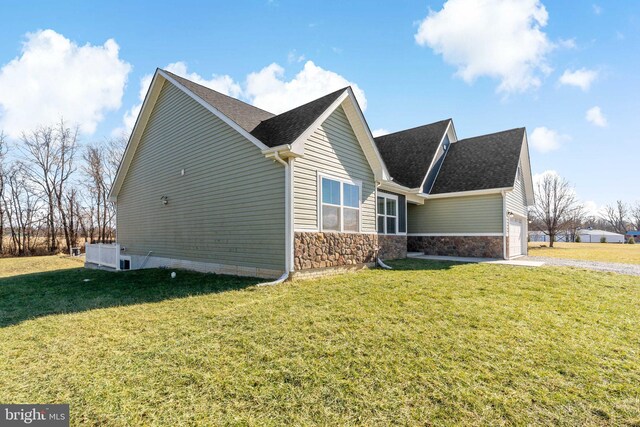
136	133
448	131
215	111
159	78
360	129
363	133
526	171
297	146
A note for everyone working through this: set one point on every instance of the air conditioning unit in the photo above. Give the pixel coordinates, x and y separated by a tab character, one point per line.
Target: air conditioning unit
125	263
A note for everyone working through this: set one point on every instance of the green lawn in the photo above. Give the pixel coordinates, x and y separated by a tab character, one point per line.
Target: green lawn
426	344
37	264
605	252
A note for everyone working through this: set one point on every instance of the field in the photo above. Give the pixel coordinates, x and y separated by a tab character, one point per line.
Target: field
604	252
425	344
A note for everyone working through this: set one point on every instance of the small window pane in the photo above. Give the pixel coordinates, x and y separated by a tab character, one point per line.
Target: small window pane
391	207
330	218
351	219
391	225
351	195
330	191
380	205
380	224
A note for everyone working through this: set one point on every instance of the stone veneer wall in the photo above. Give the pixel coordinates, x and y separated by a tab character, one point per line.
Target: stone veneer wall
321	250
392	247
466	246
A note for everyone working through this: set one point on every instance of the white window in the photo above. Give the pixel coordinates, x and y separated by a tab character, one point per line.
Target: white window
340	205
387	214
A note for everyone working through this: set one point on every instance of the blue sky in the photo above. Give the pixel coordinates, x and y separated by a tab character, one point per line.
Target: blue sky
408	76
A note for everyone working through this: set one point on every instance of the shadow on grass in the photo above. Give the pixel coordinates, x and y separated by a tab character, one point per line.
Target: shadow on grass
422	264
75	290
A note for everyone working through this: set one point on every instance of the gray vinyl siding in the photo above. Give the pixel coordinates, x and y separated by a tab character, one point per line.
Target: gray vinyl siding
516	199
333	150
470	214
228	208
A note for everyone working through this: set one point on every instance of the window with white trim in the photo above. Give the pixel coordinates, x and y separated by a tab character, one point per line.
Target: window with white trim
387	214
340	205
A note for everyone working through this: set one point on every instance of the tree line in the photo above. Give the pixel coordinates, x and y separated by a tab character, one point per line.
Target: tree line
559	211
54	190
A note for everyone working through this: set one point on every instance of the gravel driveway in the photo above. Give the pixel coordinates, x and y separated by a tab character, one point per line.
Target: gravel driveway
612	267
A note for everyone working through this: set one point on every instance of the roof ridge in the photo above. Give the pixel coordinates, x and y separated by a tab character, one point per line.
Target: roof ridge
492	134
213	90
414	128
287	126
310	102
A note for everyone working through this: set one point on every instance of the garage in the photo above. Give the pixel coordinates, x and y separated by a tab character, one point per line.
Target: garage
516	235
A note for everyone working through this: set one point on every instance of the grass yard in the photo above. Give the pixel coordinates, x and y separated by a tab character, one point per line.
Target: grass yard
426	344
605	252
37	264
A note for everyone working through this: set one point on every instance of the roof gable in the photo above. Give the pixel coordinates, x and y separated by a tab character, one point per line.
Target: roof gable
245	115
481	163
285	128
409	154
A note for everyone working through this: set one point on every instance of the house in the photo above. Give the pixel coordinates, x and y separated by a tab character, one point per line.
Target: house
595	236
208	182
635	235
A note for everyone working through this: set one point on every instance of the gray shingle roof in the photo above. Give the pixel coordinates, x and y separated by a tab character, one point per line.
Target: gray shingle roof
288	126
245	115
270	129
409	153
481	163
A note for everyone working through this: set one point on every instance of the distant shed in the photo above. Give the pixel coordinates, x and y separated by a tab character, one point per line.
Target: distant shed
595	236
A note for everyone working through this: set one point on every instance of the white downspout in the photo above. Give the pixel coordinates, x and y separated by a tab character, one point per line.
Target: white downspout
378	260
504	224
288	208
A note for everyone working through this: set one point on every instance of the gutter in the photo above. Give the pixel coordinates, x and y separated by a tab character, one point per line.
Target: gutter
466	193
288	207
504	224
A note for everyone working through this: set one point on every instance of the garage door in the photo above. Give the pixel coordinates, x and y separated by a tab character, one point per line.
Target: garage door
515	237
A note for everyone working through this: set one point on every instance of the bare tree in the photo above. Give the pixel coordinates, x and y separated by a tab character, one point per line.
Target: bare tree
617	217
635	216
575	221
49	153
21	205
100	166
67	146
555	205
97	187
3	152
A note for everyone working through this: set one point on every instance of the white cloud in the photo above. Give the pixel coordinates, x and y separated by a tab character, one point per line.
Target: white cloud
545	140
594	115
538	177
220	83
597	9
293	57
379	132
269	90
592	208
56	78
568	43
266	89
582	78
223	84
502	39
